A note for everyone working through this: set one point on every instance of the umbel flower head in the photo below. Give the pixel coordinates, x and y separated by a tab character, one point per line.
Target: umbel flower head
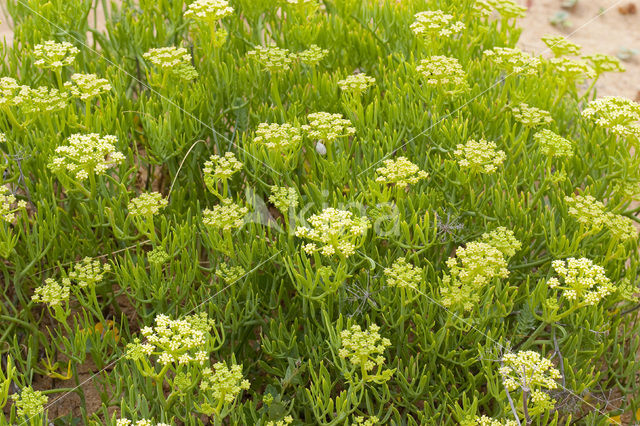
172	60
86	154
444	73
52	55
592	214
365	349
43	99
473	268
572	69
225	216
504	240
141	422
435	23
336	231
356	83
29	402
507	9
488	421
560	45
208	10
552	144
327	127
361	421
272	58
619	115
284	198
8	205
52	293
403	274
87	86
220	168
88	272
400	172
286	420
313	55
604	63
11	93
180	341
531	116
583	282
479	156
513	60
529	372
280	137
147	204
223	383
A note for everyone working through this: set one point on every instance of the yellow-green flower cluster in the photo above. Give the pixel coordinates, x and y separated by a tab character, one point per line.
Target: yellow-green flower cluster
529	372
531	116
403	274
29	402
435	23
337	232
356	83
361	421
172	60
43	99
284	198
87	86
400	172
443	72
278	137
178	341
225	216
147	204
230	274
287	420
52	293
8	205
88	272
208	10
141	422
604	63
488	421
571	69
223	383
560	46
504	240
157	256
313	55
272	58
11	93
620	115
479	156
220	168
52	55
327	127
85	155
593	215
513	60
363	348
507	9
583	282
552	144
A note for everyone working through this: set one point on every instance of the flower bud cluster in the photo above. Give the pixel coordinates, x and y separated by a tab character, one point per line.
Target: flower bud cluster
313	55
435	23
52	293
173	60
361	421
208	10
356	83
513	60
583	282
223	383
147	204
87	86
593	215
403	274
363	348
272	58
88	272
552	144
29	403
400	172
8	205
85	155
284	198
287	420
507	9
278	137
52	55
572	69
531	116
336	231
220	168
604	63
488	421
225	216
617	114
479	156
327	127
141	422
504	240
43	99
560	45
443	72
